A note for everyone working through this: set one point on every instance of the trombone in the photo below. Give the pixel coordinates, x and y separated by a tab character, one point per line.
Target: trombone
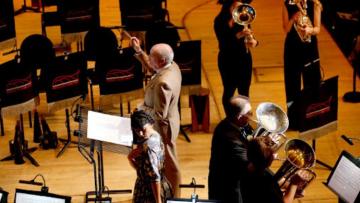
244	14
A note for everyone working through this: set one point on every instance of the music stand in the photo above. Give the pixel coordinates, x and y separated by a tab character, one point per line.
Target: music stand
344	178
352	96
25	151
24	8
3	196
28	196
318	112
112	142
194	197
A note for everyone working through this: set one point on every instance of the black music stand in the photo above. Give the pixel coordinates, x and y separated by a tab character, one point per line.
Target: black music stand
352	96
98	163
343	179
23	147
318	112
194	197
25	8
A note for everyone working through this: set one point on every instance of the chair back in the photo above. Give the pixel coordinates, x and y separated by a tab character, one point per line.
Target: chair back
36	53
188	56
65	81
78	15
7	25
119	73
141	14
162	32
18	91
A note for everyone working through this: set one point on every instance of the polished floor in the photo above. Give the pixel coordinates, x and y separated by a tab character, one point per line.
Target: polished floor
72	175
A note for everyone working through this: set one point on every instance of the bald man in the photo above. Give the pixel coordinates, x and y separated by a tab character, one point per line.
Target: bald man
161	101
228	161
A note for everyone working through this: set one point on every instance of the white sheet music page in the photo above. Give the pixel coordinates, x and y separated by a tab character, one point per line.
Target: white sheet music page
346	180
109	128
29	198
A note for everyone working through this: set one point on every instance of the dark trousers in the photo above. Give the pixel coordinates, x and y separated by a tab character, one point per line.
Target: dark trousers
235	74
293	73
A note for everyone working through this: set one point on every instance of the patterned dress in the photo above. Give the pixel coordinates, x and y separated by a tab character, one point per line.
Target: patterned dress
150	168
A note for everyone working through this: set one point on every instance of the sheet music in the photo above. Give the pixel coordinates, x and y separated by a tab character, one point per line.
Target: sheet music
345	180
29	198
109	128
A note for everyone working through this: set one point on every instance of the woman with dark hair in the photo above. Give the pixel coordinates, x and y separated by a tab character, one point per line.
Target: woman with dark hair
234	58
148	160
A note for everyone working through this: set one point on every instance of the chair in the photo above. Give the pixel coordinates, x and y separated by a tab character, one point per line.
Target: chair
49	18
120	77
7	25
78	17
65	85
187	54
18	95
139	15
117	72
37	53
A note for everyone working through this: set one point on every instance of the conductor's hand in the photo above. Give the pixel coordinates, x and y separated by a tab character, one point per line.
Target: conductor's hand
135	43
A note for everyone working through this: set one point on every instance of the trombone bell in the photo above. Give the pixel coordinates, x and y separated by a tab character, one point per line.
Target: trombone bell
243	14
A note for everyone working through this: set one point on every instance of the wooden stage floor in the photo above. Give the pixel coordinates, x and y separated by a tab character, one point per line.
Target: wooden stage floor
72	175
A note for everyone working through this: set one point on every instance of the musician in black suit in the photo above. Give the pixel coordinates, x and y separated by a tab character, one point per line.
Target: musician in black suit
228	160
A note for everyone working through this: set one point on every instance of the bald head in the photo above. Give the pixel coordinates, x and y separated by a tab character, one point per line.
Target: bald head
240	105
161	55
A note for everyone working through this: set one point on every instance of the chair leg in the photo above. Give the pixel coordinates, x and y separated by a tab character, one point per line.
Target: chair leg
2	125
30	119
129	106
92	96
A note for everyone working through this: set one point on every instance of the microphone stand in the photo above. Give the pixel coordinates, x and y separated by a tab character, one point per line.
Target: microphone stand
194	196
350	140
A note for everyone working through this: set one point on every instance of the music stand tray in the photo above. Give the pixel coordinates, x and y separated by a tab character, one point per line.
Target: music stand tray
344	179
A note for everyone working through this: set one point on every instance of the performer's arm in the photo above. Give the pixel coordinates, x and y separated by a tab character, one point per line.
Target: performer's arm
288	23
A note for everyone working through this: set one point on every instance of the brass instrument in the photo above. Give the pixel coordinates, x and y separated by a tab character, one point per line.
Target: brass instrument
271	121
300	157
302	21
244	14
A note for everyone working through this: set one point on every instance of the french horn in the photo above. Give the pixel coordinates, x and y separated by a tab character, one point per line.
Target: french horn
300	157
271	121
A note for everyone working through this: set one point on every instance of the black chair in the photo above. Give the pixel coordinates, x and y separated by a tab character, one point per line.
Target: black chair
78	17
139	15
37	53
162	32
7	25
18	95
18	88
187	54
117	72
49	18
65	86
